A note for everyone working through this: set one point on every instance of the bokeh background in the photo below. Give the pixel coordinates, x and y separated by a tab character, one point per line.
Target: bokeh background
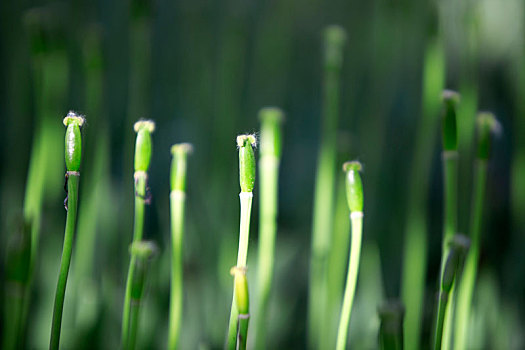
202	69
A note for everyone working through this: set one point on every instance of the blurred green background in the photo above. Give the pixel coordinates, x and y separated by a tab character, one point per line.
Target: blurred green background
202	69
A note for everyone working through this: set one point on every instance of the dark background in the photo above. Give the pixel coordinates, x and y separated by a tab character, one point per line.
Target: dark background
202	69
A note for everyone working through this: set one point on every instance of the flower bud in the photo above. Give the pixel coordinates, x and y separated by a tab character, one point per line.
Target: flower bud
487	124
354	186
180	153
334	40
246	162
142	252
271	120
143	128
241	290
459	246
73	141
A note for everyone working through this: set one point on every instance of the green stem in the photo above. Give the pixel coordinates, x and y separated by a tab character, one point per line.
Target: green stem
244	234
391	315
466	288
134	324
242	335
324	184
351	280
72	188
177	200
269	169
140	193
415	247
449	229
141	252
450	163
451	272
442	308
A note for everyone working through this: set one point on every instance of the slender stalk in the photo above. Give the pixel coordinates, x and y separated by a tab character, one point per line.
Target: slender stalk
177	204
458	248
415	246
143	128
334	38
271	119
73	152
141	253
450	178
243	305
391	315
354	191
247	181
486	124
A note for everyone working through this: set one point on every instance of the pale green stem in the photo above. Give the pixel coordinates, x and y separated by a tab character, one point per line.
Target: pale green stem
351	279
244	235
66	259
323	207
442	310
269	169
466	287
177	201
138	228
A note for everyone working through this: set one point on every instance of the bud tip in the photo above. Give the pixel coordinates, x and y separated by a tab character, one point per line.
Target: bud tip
73	117
250	138
148	125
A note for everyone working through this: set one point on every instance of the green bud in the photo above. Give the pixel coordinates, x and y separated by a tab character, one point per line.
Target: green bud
271	120
459	246
487	124
180	153
143	249
246	162
354	186
450	133
142	252
73	143
334	40
144	129
241	290
391	315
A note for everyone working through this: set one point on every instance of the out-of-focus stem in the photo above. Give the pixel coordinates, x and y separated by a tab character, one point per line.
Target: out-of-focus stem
271	119
324	184
177	206
413	283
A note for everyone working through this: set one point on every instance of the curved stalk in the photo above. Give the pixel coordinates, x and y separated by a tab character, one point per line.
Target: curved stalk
351	279
73	152
450	179
354	195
